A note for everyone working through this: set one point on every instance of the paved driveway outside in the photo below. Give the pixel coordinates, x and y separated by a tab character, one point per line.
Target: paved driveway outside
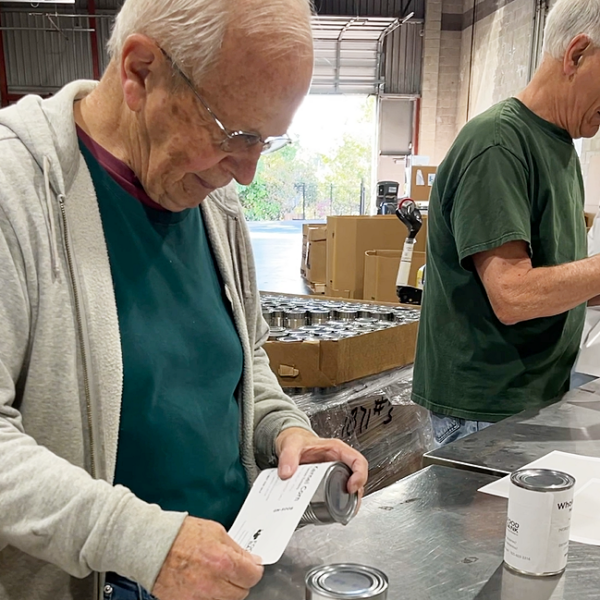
277	249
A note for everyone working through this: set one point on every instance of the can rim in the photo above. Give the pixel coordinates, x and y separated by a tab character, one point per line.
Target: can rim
377	590
564	480
346	516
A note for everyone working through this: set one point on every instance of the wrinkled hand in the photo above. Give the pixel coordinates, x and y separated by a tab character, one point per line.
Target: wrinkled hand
298	446
204	563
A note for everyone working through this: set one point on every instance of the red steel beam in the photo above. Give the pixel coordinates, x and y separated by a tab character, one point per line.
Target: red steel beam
417	128
94	39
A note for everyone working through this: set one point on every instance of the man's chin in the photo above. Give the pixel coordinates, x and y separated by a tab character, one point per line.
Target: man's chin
179	204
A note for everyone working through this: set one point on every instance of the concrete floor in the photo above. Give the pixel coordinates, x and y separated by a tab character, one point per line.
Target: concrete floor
277	249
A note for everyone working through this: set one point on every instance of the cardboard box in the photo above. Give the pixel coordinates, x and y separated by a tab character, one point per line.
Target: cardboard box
316	254
304	249
348	238
377	417
330	363
421	182
381	271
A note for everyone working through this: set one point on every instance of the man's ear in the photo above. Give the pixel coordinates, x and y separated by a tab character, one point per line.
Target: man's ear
140	60
575	54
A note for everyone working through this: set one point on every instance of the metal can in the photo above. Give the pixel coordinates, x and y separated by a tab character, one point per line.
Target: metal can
331	502
294	318
276	333
540	504
386	314
319	316
277	317
346	314
346	581
515	586
267	314
310	328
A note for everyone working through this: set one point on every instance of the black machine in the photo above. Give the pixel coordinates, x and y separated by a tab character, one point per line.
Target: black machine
410	215
387	197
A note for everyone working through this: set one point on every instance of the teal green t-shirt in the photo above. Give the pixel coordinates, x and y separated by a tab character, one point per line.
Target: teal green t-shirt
510	175
179	436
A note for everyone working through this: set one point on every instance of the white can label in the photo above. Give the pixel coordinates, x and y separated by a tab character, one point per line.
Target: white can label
537	530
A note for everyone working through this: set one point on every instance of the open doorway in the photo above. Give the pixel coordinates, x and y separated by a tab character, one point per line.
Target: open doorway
326	171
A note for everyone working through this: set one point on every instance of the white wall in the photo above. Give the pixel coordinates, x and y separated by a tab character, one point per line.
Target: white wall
466	68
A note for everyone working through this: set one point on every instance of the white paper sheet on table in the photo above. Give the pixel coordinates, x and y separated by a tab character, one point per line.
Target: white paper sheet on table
585	524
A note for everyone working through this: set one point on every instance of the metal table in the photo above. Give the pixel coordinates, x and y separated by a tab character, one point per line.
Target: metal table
571	425
436	538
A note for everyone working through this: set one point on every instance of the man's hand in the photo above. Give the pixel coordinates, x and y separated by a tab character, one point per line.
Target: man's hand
298	446
204	563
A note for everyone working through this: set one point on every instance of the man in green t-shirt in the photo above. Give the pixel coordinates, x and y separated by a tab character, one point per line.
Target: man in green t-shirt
507	273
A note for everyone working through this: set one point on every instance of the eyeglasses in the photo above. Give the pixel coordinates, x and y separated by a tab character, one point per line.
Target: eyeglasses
235	141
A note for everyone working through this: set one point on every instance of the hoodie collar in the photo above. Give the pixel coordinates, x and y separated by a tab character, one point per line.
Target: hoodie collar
47	129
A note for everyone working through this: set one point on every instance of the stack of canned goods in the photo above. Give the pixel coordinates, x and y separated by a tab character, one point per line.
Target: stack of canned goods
307	319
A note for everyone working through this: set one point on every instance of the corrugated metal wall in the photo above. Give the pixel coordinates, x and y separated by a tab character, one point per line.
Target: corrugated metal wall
372	8
45	51
402	60
103	28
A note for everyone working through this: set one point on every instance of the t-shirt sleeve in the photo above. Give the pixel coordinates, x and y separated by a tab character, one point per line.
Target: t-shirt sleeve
491	205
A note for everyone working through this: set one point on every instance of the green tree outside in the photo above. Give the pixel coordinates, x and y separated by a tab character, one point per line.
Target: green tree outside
296	183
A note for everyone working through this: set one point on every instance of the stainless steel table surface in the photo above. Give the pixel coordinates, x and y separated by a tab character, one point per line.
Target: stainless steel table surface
436	538
571	425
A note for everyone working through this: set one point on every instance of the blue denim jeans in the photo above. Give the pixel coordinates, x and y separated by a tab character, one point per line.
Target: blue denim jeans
579	379
119	588
449	429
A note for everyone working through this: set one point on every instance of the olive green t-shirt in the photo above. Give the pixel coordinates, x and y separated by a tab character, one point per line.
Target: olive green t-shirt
510	175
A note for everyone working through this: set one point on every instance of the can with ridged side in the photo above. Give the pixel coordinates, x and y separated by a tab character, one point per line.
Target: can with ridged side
346	581
332	503
538	524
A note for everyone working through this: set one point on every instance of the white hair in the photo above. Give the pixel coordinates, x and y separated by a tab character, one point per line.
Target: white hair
567	20
192	31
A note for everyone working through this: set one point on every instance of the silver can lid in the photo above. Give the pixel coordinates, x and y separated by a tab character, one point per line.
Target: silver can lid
542	480
342	506
346	581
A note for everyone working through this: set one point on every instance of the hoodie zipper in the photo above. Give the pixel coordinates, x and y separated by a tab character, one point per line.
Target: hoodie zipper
80	334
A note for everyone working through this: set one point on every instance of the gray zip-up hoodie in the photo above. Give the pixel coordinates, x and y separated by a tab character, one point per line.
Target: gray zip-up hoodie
61	520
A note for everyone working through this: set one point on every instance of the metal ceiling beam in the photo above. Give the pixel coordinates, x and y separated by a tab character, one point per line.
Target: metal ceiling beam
4	100
91	7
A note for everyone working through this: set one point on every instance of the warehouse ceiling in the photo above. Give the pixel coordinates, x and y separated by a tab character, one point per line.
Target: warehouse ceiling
361	46
370	8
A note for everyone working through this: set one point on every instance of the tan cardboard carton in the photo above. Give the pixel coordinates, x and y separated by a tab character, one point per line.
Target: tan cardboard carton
421	182
349	238
316	254
381	271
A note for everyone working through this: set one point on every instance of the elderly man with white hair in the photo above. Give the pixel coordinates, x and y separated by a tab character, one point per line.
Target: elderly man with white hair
136	401
507	274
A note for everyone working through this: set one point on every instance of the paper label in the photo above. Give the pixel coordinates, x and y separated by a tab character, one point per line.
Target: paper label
273	509
537	530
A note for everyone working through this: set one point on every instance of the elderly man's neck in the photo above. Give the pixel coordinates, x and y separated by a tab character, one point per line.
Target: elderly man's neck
548	95
104	116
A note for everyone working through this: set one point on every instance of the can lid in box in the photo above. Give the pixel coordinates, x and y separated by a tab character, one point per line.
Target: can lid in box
346	581
542	480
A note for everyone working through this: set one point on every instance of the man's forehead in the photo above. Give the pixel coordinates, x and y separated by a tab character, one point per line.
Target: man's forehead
246	74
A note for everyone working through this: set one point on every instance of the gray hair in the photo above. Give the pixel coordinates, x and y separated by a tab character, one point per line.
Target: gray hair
567	20
192	31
